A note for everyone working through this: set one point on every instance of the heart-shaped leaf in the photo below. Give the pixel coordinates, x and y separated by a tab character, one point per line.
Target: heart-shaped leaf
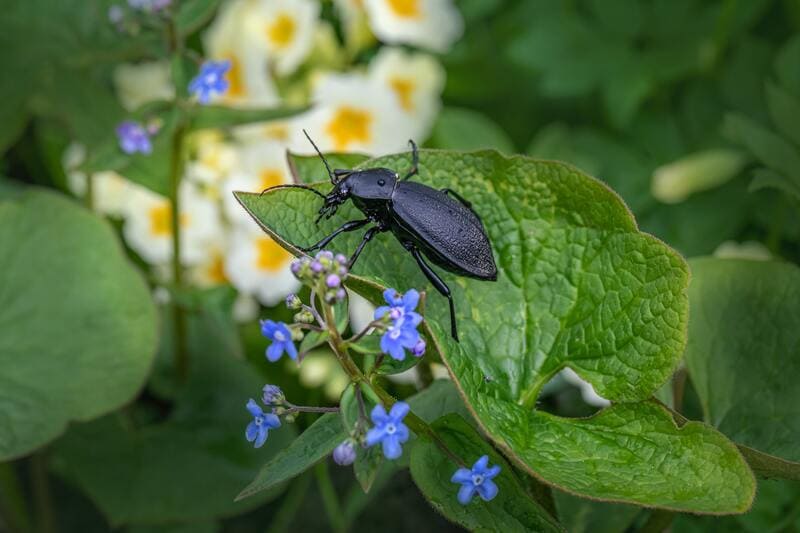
79	326
744	351
578	286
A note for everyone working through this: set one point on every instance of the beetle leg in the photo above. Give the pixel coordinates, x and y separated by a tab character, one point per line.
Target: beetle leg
438	283
414	160
347	226
367	237
457	196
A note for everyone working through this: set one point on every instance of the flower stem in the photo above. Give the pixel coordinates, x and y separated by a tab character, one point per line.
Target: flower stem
178	312
311	409
42	497
12	500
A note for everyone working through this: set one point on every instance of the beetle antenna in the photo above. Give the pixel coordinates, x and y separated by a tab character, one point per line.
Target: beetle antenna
295	186
330	173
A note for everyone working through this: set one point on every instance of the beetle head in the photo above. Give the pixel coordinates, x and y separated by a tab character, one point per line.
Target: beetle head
338	195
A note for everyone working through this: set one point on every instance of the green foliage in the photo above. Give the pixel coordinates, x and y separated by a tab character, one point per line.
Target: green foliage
513	509
579	286
743	352
462	129
64	269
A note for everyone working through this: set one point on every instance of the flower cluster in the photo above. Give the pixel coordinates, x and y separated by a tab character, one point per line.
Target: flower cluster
325	274
401	322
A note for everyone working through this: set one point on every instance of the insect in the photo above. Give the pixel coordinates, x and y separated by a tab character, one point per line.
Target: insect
437	225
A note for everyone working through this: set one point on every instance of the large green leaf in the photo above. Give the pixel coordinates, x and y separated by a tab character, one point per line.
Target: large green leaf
188	466
513	509
79	327
744	351
579	286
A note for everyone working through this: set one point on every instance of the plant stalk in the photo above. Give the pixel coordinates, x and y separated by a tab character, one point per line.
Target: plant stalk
12	501
178	312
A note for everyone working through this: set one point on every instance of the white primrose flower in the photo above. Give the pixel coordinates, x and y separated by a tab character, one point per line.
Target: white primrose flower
148	225
250	83
432	24
262	165
257	265
351	114
284	29
139	83
587	391
214	158
278	131
211	271
109	189
417	81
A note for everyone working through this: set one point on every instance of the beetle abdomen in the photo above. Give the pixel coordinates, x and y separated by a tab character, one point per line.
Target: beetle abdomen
447	232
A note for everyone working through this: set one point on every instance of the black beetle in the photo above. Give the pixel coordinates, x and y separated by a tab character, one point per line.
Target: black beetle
439	224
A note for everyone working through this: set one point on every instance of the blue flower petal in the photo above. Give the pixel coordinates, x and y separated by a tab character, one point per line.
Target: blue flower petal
291	351
398	411
480	465
374	436
462	475
275	351
262	437
402	432
272	420
391	447
397	352
378	415
465	494
251	432
487	490
410	300
393	297
492	472
381	311
254	408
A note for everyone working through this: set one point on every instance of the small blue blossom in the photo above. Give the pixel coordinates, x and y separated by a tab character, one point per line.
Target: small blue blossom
272	395
345	453
134	138
210	81
258	429
478	480
401	307
399	338
281	338
389	429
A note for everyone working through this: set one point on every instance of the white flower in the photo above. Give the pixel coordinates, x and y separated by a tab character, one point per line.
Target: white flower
587	391
284	29
213	158
417	81
211	271
257	265
279	131
148	225
249	78
245	308
351	114
137	84
433	24
109	189
262	165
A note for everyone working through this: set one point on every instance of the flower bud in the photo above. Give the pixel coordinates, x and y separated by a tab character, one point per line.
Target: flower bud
345	453
304	317
333	281
419	348
293	302
273	395
297	334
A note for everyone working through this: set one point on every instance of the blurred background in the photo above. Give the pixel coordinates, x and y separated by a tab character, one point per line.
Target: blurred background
689	109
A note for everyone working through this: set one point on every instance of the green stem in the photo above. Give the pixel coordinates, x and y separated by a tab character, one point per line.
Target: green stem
43	502
178	312
329	499
89	197
12	501
290	505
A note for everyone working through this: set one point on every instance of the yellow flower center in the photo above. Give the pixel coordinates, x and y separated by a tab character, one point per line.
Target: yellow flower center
279	132
405	8
270	177
349	125
216	270
269	255
234	78
161	220
404	89
281	32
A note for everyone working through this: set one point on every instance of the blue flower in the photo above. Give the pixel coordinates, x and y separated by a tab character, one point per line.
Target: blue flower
133	138
210	81
281	338
389	429
479	480
262	422
401	307
399	338
345	453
